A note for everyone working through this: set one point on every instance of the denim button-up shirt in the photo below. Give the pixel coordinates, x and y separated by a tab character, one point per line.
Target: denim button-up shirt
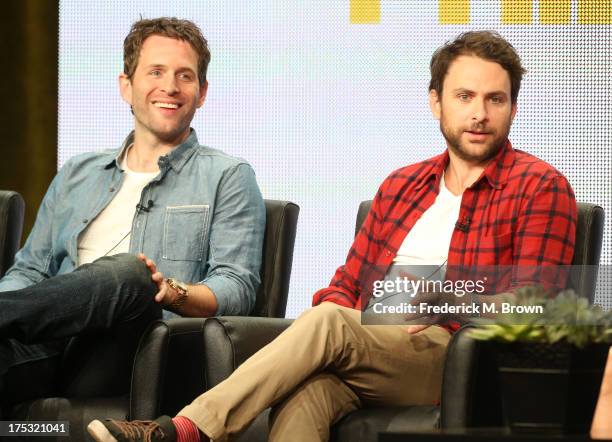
203	223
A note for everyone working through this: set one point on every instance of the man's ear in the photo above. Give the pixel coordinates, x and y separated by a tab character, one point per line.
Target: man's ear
434	104
513	111
125	87
203	92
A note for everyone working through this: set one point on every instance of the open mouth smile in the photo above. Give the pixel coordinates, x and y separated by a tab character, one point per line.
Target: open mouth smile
165	105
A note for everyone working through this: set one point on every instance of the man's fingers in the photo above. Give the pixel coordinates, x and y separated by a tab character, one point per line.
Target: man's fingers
148	262
159	297
158	277
412	329
408	276
423	319
151	265
432	298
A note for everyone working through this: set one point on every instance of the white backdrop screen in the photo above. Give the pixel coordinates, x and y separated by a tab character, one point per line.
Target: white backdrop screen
325	98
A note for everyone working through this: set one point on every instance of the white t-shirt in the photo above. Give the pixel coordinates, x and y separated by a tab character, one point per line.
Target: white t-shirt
424	251
109	233
428	241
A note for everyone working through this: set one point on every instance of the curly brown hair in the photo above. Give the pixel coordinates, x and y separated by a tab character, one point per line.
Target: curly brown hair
488	45
168	27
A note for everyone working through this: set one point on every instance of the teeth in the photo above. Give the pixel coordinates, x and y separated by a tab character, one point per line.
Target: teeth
166	105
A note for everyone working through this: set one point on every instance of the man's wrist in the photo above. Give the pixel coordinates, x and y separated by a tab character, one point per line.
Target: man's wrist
181	293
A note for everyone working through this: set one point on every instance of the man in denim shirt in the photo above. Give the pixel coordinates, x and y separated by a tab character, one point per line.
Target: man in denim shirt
115	224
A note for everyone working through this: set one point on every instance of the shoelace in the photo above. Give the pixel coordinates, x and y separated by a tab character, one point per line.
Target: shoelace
144	429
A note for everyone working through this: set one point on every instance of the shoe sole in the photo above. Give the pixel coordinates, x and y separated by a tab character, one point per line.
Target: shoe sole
99	432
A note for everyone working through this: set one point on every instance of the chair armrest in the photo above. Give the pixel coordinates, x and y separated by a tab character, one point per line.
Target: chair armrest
179	359
231	340
11	224
168	370
470	385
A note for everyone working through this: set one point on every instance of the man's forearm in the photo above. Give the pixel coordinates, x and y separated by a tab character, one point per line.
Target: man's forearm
200	302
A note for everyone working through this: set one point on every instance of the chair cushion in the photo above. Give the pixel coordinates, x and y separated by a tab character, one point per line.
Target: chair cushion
365	424
361	425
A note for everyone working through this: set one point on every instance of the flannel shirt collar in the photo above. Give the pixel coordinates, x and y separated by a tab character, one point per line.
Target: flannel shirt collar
496	173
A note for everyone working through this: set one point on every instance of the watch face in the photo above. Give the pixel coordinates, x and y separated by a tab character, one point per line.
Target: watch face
177	285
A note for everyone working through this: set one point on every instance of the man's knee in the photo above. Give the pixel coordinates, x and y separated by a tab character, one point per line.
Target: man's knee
128	270
325	314
126	260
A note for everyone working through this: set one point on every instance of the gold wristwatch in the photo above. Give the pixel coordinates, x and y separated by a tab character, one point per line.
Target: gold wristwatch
181	289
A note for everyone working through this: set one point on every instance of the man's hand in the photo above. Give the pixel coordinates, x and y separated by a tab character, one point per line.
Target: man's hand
414	329
166	294
435	307
424	320
200	303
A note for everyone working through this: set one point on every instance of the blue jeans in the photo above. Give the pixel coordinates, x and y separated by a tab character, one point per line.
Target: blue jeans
114	292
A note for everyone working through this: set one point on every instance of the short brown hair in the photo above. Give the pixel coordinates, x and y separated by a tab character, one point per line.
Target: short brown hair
488	45
168	27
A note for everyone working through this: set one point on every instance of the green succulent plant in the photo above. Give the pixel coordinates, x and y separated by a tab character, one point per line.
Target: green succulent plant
567	317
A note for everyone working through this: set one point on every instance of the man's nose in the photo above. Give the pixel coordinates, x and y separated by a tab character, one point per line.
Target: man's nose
170	85
479	111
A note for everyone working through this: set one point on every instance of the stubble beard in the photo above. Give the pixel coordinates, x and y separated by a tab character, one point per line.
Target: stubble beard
491	148
173	134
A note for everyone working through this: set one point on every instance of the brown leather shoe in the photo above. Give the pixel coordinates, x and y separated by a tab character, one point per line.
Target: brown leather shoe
110	430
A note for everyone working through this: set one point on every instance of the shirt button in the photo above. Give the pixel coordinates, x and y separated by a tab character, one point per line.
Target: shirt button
388	253
85	221
112	189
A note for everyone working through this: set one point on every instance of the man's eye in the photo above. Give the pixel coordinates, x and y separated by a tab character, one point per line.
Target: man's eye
463	97
497	100
155	73
186	77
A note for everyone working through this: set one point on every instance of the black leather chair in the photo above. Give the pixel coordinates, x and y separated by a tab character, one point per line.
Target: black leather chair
469	392
11	225
169	366
95	377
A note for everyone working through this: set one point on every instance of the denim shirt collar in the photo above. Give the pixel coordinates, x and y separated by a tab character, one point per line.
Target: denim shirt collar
176	158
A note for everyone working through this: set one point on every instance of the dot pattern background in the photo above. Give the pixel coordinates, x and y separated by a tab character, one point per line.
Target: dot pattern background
324	109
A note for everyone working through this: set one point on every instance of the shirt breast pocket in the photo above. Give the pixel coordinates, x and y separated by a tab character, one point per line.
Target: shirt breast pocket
185	231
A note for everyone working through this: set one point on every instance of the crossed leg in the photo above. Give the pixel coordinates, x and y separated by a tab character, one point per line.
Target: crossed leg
378	364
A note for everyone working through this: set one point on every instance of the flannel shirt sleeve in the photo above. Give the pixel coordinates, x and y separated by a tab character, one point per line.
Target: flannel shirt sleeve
545	236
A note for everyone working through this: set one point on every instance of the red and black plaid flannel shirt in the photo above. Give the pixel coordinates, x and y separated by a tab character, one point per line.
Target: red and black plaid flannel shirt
520	212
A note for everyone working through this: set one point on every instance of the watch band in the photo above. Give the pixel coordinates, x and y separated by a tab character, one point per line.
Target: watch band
181	289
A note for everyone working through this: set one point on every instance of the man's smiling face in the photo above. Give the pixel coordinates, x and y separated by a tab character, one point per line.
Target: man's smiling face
164	91
475	110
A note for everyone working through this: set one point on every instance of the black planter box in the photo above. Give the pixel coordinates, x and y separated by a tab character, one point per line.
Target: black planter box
550	388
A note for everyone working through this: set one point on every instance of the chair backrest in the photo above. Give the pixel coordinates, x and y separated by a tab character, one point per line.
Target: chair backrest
587	251
11	225
364	208
277	258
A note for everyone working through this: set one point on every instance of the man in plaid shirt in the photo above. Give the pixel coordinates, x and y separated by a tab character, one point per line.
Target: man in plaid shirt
480	203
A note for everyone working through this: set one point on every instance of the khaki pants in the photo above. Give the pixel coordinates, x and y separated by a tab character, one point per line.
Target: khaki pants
325	365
